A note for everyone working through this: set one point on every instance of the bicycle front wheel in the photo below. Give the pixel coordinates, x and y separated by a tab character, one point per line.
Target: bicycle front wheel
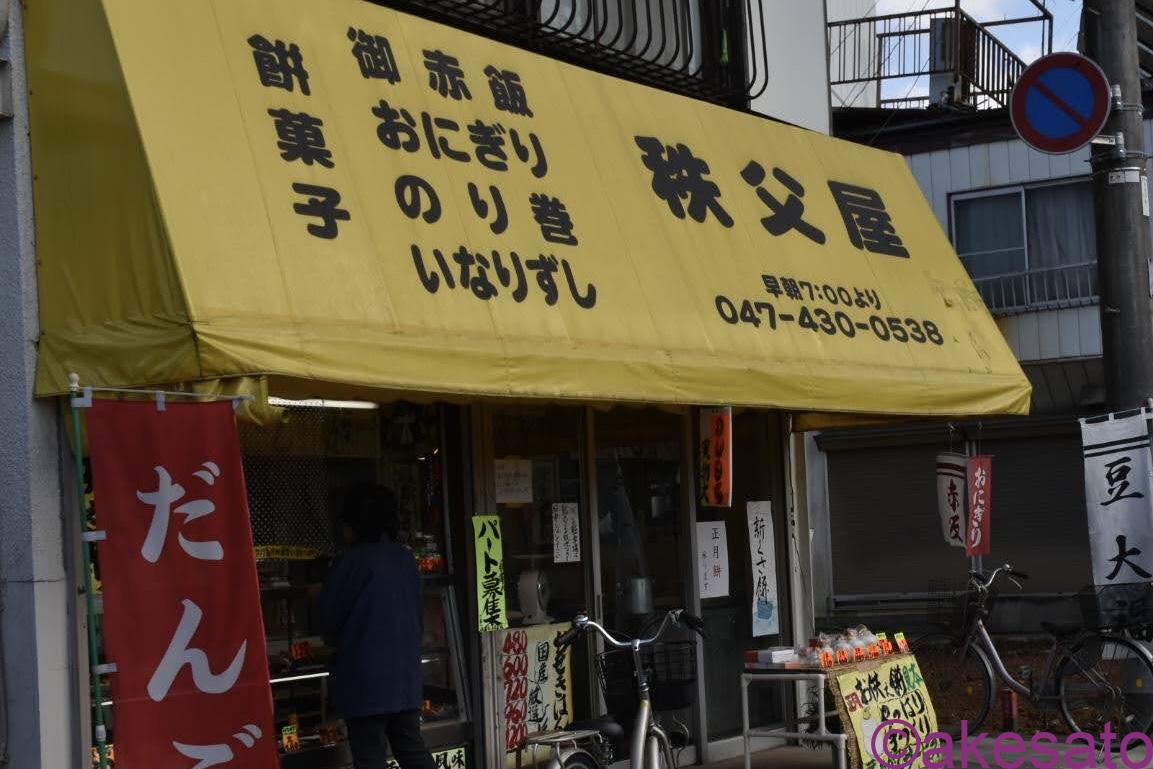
959	680
1106	679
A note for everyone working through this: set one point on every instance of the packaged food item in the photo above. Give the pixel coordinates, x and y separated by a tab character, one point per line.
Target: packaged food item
828	657
869	639
843	650
860	649
902	644
885	643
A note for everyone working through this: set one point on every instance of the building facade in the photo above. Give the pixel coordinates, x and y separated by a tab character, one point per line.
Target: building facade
120	245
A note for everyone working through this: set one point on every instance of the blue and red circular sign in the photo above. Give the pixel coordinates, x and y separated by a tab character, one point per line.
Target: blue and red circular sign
1060	103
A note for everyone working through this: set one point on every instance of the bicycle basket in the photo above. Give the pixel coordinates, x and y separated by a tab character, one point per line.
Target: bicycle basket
1117	606
672	672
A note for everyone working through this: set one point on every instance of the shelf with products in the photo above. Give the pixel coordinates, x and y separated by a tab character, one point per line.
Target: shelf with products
298	673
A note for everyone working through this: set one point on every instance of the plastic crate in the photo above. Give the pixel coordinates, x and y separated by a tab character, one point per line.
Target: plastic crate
672	673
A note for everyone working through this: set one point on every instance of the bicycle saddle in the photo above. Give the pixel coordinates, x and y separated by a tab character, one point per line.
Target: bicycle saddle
606	725
1061	629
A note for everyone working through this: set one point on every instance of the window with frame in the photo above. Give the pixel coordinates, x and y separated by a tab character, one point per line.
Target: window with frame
1029	247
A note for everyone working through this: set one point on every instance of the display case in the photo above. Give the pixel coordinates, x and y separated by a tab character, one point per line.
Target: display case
298	473
310	733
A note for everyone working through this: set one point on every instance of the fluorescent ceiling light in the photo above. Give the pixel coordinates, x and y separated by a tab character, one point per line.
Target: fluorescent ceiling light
317	403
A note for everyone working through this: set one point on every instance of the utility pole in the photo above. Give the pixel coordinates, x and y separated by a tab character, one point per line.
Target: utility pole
1121	201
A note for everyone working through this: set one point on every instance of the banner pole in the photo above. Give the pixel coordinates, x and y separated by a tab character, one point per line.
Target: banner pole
90	599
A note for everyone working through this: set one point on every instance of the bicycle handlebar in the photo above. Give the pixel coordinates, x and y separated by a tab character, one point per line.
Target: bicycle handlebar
983	584
582	623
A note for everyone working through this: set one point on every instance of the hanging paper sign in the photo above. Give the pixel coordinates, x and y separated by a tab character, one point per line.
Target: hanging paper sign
978	529
951	470
881	700
712	559
566	533
1118	473
182	619
513	481
716	457
535	686
490	595
762	555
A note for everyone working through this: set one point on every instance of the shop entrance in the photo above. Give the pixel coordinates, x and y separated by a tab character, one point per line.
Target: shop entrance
630	472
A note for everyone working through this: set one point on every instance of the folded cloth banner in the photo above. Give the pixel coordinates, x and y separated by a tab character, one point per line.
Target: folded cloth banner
1118	472
717	457
979	529
951	497
182	618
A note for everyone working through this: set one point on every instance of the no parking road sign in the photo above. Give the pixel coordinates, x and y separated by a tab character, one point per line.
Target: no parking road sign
1060	103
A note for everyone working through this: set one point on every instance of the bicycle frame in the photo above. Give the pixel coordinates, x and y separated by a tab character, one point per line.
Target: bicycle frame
649	740
978	634
986	644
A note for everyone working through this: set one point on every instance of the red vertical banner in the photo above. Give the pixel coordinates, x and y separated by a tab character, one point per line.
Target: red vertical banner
716	457
977	533
182	615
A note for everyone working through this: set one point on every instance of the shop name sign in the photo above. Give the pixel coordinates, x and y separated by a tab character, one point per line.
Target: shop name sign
485	203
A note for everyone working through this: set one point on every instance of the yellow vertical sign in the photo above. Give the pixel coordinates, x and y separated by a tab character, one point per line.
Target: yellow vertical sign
490	597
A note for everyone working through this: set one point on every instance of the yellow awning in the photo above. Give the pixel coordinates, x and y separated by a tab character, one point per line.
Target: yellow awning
335	192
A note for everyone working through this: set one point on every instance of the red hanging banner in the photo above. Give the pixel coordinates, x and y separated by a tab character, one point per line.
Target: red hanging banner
980	472
717	457
182	615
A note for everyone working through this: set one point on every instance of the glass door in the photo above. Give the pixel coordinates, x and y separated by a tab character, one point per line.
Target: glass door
644	550
539	480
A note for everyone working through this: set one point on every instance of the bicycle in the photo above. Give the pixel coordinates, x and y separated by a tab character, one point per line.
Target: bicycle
1094	677
584	744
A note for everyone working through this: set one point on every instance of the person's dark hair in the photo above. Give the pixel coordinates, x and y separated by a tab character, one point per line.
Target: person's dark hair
370	511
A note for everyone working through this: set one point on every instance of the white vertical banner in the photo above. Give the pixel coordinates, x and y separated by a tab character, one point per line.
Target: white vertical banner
762	556
951	497
566	533
1119	498
712	559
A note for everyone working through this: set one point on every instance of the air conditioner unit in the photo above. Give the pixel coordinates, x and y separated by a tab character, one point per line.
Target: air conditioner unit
951	71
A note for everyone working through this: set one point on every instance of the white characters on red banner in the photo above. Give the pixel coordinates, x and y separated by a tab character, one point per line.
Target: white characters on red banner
980	479
180	588
166	494
215	755
178	655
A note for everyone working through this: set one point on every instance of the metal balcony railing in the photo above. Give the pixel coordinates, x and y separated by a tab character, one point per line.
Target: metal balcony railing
1048	288
701	48
940	41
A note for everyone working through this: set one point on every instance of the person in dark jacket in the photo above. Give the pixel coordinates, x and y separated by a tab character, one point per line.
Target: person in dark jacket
371	612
